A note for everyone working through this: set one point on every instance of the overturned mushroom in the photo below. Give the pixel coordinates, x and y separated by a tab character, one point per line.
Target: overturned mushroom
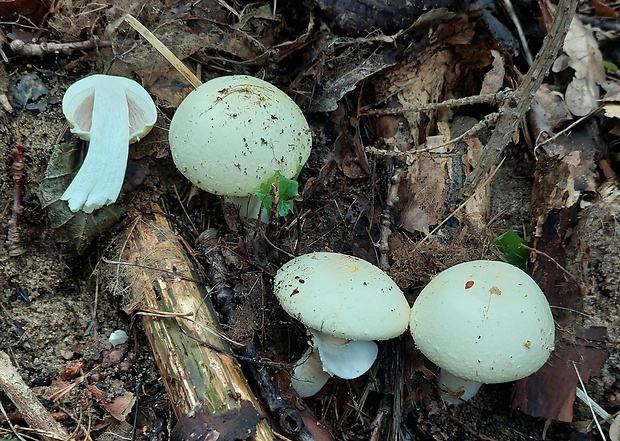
346	303
110	112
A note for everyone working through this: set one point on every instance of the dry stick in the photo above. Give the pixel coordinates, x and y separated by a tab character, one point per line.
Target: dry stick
13	238
385	222
489	98
38	50
162	49
513	113
488	120
27	403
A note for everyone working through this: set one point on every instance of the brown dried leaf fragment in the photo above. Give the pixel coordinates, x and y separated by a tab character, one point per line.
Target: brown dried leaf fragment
231	425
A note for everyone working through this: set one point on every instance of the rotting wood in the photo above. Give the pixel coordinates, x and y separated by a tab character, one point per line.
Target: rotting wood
195	362
27	403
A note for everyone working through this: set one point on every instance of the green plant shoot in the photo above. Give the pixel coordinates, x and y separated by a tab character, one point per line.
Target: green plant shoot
277	194
509	244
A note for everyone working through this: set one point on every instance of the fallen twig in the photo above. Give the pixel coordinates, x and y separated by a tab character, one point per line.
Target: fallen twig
13	239
39	49
27	403
514	110
385	219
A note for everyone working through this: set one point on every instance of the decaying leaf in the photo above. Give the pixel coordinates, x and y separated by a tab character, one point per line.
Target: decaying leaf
494	79
119	407
566	171
585	58
74	230
235	424
435	174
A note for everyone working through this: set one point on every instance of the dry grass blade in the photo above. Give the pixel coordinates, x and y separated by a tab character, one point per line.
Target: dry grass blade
162	49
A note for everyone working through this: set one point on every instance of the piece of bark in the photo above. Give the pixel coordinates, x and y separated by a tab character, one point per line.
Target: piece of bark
27	403
196	363
565	173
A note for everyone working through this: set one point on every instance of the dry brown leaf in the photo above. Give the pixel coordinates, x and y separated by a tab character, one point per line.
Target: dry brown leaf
494	79
585	58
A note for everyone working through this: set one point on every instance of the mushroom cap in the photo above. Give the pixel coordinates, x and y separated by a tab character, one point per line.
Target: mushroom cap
342	296
78	101
233	133
486	321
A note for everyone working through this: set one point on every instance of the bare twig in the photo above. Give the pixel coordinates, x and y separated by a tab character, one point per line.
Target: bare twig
385	220
39	49
514	110
13	239
489	98
27	403
485	122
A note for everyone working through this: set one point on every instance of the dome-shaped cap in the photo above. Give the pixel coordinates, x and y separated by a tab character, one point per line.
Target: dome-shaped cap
485	321
233	133
343	296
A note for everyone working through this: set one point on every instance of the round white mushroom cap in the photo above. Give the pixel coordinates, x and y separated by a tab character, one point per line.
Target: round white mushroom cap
485	321
233	133
342	296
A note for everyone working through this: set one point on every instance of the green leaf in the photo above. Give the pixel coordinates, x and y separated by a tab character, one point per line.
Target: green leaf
508	244
610	66
278	194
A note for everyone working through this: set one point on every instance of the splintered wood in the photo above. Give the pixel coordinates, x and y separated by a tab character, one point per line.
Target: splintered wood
162	285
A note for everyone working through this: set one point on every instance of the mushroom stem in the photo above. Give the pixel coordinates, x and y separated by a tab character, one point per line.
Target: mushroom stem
308	375
455	390
250	207
100	178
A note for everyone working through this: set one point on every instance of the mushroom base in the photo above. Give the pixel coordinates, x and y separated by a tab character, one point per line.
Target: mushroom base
250	207
455	390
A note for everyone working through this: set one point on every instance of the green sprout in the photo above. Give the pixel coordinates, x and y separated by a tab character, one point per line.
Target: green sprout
509	244
277	194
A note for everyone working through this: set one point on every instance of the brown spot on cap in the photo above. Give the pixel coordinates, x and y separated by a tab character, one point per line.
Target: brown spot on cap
495	291
469	284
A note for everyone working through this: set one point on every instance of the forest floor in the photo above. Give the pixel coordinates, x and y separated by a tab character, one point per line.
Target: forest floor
375	156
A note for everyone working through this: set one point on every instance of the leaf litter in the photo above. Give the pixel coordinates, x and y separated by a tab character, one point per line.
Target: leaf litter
340	79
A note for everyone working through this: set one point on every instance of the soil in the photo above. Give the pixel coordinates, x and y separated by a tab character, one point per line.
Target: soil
57	307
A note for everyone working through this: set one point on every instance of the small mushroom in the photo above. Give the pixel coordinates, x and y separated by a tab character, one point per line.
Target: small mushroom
346	303
482	322
110	112
233	134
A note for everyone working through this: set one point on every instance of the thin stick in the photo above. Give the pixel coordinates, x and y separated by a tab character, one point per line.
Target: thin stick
513	112
489	98
162	49
589	402
27	403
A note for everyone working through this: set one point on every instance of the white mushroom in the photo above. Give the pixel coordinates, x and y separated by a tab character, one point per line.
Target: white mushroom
233	134
110	112
346	303
482	322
